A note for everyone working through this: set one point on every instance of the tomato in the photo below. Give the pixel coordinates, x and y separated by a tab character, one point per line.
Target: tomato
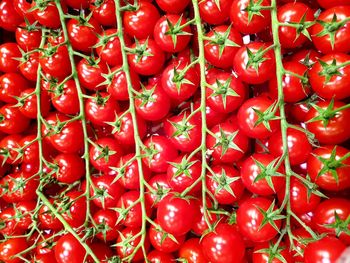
332	216
12	120
65	99
9	224
192	251
118	88
249	21
222	46
105	190
46	13
158	153
160	188
183	172
83	34
147	59
180	82
90	73
229	143
200	225
282	252
54	61
253	125
250	217
9	18
225	184
299	147
156	256
171	6
47	219
11	86
214	12
170	33
161	240
102	251
10	149
176	215
332	3
212	117
301	235
22	7
65	136
225	93
128	241
75	216
328	128
44	258
68	168
300	14
302	198
261	176
106	224
29	104
28	38
327	169
328	81
331	31
294	88
327	249
139	23
255	66
218	245
69	249
11	247
104	12
8	54
77	4
29	66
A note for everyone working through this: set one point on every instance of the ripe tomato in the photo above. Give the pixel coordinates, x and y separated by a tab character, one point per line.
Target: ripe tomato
22	7
250	217
75	216
328	81
192	251
64	97
8	54
299	147
118	88
29	66
264	253
229	143
140	23
328	128
170	35
90	73
327	249
11	86
160	188
248	21
107	227
171	6
291	13
29	104
214	12
327	169
176	215
300	235
28	38
77	4
104	12
253	125
11	149
261	176
9	18
218	245
11	247
54	61
328	35
225	184
12	120
69	250
46	13
254	63
156	256
70	168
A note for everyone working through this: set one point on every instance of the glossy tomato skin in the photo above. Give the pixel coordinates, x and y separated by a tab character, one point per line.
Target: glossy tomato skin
71	168
90	74
249	219
107	217
11	247
165	40
293	13
213	14
299	147
9	18
192	251
217	186
8	52
171	6
327	249
332	3
12	120
83	37
118	88
69	250
239	17
265	69
165	153
176	215
48	16
56	64
325	217
77	211
217	144
156	256
217	246
264	257
27	39
160	185
150	64
10	145
247	118
212	50
77	4
327	180
29	107
250	170
11	86
220	94
140	23
65	98
341	38
104	12
29	67
338	85
335	131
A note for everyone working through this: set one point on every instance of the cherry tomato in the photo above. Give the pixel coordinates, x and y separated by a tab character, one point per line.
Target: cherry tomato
11	247
12	121
214	12
8	54
9	18
69	249
192	251
104	12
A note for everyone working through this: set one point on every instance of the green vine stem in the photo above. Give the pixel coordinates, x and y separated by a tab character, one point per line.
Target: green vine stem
138	142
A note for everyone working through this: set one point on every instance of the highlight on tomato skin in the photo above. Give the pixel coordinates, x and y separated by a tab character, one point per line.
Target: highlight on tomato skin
158	131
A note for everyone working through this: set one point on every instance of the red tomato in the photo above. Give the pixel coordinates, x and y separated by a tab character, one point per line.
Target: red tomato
11	86
156	256
192	251
9	18
46	13
103	12
214	12
68	168
173	6
12	120
54	61
160	188
11	247
29	66
69	250
107	227
118	88
8	54
65	99
29	104
90	73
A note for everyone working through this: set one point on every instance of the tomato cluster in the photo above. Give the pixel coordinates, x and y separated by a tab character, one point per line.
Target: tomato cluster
174	130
